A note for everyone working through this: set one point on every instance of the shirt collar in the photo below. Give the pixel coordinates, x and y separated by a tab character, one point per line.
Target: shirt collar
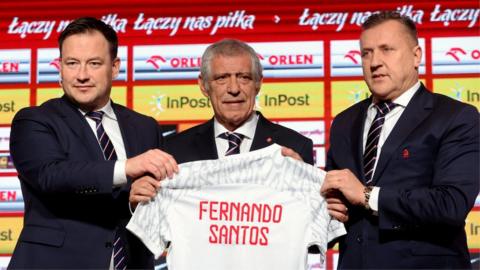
405	97
247	129
107	109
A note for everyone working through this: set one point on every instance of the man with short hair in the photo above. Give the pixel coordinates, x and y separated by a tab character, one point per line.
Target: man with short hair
76	156
405	160
230	76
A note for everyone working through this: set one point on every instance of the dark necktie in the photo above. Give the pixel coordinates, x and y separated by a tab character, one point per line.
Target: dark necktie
234	141
119	253
370	153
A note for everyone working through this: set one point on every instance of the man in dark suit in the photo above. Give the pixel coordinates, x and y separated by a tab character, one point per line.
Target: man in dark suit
76	156
406	160
231	77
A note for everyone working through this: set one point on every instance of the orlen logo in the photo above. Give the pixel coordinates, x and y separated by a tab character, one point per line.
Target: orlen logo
458	53
154	60
9	67
175	62
353	55
288	59
55	63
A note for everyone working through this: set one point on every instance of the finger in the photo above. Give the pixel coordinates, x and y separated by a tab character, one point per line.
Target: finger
287	152
338	216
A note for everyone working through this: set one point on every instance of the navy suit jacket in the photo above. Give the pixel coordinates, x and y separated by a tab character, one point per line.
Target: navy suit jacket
428	177
198	143
71	208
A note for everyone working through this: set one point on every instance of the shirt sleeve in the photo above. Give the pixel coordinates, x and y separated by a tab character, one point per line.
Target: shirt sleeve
145	224
119	175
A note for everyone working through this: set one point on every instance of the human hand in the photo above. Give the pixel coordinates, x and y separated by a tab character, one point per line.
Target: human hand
287	152
155	162
345	182
337	206
143	189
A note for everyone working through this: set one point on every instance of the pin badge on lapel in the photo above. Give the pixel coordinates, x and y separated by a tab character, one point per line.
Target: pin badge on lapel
405	153
269	140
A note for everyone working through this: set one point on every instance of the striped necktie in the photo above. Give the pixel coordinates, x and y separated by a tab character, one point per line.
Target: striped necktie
119	252
371	147
234	141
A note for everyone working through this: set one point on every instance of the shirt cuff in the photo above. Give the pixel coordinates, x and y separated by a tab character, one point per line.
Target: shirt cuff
373	201
119	175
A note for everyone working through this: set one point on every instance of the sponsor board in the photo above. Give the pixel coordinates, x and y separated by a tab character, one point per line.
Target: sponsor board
4	260
6	163
346	58
279	60
465	90
118	94
11	101
314	262
10	228
172	102
48	65
184	126
346	94
4	138
15	66
315	130
291	100
453	55
319	156
472	228
11	198
186	102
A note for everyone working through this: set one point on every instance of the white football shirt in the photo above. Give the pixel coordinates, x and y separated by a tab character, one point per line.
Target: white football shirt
257	210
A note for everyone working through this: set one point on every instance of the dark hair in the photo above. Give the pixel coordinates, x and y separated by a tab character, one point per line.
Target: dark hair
389	15
89	24
229	47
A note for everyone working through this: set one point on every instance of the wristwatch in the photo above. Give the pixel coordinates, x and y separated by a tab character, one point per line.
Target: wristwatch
367	191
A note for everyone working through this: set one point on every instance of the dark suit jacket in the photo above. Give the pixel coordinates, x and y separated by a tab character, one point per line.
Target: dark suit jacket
198	143
71	209
428	177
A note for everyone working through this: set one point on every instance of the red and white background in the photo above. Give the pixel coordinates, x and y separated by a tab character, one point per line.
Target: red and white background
309	50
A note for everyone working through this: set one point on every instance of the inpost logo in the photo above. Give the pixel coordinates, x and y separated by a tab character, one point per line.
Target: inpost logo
11	101
10	228
345	94
291	100
472	228
172	103
465	90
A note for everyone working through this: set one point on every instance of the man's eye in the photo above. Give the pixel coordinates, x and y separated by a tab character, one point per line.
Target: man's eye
245	78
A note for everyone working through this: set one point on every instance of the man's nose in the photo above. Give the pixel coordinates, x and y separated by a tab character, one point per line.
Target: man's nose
83	74
233	85
376	60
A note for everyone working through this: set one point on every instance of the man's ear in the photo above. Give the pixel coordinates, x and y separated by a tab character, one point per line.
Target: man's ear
417	53
202	86
115	67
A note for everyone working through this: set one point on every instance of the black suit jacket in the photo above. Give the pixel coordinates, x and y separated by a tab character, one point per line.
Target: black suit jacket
198	143
428	177
71	209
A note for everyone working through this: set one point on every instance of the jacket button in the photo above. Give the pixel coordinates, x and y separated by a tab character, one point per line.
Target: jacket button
359	239
108	244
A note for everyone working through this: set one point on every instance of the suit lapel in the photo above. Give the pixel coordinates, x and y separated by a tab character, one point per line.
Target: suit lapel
79	126
129	133
417	110
204	141
264	133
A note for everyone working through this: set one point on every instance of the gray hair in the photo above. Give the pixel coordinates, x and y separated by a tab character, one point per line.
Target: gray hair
229	47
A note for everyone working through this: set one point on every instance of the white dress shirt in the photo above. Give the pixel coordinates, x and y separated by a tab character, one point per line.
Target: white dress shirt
391	120
111	127
247	130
